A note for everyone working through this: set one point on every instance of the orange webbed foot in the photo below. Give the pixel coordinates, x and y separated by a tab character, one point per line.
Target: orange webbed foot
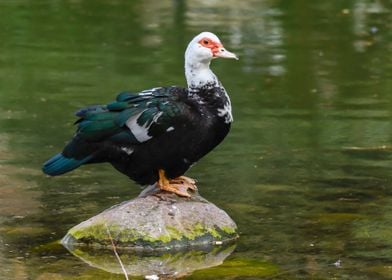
183	180
179	185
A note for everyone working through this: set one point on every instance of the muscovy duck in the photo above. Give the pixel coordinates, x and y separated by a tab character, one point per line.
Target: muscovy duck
154	136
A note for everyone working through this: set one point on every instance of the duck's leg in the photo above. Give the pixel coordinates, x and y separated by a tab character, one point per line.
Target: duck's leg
176	186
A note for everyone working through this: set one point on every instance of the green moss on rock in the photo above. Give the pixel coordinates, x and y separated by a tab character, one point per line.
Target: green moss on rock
156	222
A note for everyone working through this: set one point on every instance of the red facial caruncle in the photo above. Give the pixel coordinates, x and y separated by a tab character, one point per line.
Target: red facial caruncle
216	48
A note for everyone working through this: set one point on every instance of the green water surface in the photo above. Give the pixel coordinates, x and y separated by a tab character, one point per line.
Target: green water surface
305	171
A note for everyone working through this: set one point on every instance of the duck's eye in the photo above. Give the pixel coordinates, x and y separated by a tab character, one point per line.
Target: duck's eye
206	42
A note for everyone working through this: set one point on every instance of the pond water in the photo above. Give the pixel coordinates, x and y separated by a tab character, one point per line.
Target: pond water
305	171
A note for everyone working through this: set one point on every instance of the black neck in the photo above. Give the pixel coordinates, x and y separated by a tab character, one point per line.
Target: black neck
212	94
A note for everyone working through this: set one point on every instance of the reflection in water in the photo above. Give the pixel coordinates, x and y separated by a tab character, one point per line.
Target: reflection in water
167	264
303	172
364	30
18	199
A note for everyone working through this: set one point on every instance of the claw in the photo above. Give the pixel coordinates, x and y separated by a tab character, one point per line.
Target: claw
178	185
186	181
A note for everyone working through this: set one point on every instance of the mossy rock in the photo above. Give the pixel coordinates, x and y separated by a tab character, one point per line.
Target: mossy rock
155	220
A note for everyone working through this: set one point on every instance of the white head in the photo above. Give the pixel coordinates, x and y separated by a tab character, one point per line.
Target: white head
198	55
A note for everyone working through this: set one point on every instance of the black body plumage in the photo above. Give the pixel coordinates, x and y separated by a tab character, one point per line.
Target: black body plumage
167	128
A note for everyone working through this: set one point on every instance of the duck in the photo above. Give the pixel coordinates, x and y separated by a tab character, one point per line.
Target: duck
154	136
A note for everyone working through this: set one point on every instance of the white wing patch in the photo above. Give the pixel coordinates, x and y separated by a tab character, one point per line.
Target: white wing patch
127	150
225	112
149	91
141	131
170	129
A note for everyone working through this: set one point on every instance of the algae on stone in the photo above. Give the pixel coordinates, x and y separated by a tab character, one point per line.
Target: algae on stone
153	221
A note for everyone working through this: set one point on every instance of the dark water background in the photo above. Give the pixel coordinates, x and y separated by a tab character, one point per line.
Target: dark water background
305	172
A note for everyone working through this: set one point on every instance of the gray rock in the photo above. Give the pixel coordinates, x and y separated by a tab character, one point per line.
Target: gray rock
153	221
